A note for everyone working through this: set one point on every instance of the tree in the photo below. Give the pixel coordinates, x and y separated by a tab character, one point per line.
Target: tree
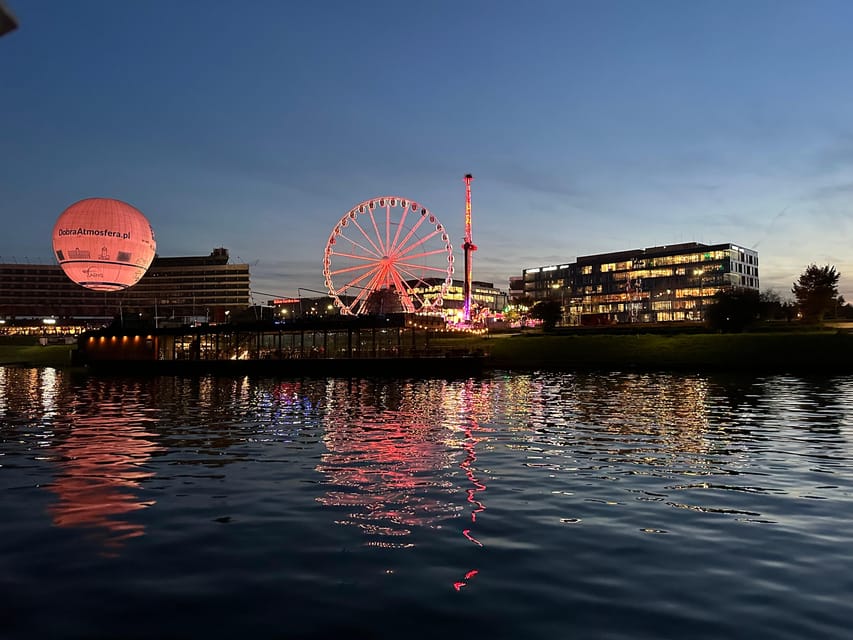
518	310
773	307
770	305
845	309
548	311
815	291
733	309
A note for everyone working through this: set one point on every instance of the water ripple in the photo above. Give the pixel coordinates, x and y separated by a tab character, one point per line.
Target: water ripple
623	505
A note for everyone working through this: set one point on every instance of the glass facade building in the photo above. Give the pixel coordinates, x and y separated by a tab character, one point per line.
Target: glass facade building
658	284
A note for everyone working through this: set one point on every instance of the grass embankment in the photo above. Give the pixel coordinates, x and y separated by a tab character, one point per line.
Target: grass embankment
26	351
818	351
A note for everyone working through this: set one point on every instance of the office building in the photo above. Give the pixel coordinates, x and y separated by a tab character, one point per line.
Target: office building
658	284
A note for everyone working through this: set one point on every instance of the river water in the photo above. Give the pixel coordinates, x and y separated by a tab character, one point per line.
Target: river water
527	505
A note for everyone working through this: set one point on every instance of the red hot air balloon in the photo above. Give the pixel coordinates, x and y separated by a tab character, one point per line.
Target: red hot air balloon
103	244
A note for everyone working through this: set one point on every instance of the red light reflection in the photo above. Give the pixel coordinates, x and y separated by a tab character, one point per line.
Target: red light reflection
101	465
385	450
467	465
464	582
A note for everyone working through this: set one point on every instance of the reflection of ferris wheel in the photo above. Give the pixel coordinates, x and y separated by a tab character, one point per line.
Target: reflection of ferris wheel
388	254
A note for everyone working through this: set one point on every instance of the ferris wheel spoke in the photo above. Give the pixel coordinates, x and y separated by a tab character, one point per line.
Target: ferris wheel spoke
379	251
412	275
388	225
408	267
372	286
405	291
401	284
358	267
376	251
415	256
355	256
367	274
403	250
383	249
409	235
400	226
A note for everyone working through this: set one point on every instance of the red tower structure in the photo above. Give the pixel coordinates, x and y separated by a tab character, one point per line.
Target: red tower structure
469	247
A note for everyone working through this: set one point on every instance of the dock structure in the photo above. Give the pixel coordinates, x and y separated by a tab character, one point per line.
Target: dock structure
397	343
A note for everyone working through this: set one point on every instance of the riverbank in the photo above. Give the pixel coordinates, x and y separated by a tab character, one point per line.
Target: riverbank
818	351
827	351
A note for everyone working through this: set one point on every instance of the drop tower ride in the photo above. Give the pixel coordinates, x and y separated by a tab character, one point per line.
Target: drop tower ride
469	248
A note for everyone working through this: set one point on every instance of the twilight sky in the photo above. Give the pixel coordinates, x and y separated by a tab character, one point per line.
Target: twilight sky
589	126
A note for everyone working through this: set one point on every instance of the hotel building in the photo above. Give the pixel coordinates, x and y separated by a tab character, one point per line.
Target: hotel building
179	289
658	284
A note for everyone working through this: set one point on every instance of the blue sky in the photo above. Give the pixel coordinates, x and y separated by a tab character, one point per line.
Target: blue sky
588	126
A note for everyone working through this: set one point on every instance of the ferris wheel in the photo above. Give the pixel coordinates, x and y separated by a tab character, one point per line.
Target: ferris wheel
388	254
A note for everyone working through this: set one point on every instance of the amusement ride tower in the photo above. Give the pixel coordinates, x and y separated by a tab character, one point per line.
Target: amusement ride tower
469	247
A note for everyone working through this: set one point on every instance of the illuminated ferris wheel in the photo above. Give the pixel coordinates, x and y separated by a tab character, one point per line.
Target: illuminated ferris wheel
386	255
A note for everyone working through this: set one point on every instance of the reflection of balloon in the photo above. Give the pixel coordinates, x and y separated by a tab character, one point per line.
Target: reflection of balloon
100	472
103	244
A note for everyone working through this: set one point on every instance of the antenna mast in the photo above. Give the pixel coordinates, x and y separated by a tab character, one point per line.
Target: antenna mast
469	247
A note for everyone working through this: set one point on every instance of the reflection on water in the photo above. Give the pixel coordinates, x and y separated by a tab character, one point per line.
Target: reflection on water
391	454
100	465
96	442
684	430
470	426
559	505
385	455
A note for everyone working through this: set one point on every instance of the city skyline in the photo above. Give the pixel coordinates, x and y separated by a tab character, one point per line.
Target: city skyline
587	128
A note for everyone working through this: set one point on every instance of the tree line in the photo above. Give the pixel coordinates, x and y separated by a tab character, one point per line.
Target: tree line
815	300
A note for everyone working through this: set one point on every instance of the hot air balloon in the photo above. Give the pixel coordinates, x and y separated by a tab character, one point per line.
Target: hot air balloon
103	244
